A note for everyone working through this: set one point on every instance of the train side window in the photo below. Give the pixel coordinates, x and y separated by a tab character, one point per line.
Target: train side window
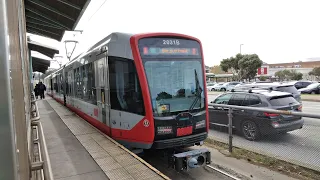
55	85
58	82
84	81
125	90
77	83
69	83
89	85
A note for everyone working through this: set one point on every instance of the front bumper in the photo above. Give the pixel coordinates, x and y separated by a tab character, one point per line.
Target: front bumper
180	141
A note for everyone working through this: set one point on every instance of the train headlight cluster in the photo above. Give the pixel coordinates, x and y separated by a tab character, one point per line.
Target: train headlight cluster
200	124
164	130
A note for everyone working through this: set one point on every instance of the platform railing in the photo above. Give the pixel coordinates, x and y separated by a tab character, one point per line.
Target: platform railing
40	163
232	108
34	109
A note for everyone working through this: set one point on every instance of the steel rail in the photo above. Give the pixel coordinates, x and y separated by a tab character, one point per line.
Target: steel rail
223	172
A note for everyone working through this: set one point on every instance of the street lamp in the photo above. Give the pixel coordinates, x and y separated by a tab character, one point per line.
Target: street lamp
58	59
240	47
70	46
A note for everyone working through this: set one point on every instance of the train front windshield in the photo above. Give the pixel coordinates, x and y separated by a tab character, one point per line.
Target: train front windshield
175	75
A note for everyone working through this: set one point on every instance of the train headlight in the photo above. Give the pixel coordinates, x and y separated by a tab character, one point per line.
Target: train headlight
201	124
162	130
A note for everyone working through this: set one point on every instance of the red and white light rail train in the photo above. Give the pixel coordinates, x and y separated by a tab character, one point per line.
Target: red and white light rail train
146	91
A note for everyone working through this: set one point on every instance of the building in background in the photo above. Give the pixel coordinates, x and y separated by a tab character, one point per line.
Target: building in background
268	70
303	67
216	74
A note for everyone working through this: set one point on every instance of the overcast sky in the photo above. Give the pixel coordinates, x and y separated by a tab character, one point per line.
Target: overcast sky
276	30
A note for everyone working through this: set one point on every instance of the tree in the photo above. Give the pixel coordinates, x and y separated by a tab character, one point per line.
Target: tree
262	78
231	64
288	75
249	65
242	66
283	74
315	72
294	75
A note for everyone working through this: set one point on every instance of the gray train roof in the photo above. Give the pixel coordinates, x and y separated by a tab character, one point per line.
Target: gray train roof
117	43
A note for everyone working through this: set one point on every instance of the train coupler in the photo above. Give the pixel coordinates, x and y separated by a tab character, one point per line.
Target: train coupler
191	159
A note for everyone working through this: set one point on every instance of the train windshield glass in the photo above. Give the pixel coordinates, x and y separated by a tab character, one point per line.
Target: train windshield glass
173	85
174	72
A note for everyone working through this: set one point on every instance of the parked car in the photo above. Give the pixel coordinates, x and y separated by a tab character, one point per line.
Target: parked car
227	86
210	85
254	124
257	82
283	87
313	88
216	86
300	84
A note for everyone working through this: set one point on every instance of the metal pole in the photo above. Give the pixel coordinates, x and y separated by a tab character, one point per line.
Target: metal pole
240	48
230	129
8	149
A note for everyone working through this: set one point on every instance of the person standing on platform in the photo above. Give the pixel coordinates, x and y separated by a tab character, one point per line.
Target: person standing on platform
36	91
42	88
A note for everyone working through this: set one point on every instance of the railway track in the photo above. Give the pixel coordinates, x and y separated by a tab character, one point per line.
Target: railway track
212	172
225	173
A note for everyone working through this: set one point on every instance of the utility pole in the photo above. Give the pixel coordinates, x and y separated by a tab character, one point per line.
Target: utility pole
240	47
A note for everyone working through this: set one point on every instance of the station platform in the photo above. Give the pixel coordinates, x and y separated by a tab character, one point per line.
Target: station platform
79	151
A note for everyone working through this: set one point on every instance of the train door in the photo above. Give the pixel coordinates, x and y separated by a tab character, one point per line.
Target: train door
65	86
69	87
51	85
102	88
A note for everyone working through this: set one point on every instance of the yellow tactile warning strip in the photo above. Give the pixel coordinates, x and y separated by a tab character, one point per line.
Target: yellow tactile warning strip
117	162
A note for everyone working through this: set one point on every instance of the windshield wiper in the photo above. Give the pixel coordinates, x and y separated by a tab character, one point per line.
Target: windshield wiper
198	92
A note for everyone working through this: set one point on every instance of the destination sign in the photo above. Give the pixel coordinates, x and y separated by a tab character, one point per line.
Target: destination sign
169	48
170	51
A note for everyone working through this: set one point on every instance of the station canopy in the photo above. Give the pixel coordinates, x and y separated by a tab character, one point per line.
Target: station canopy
51	18
40	65
42	48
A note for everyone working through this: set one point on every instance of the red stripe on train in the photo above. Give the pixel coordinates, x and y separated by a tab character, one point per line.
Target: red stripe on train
116	133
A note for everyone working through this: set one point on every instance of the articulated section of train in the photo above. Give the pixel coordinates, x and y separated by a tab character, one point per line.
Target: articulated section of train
146	91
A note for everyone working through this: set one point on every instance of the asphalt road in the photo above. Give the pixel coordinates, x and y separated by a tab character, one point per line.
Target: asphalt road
300	146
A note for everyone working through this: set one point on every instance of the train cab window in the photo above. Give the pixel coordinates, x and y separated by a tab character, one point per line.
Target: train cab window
125	91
